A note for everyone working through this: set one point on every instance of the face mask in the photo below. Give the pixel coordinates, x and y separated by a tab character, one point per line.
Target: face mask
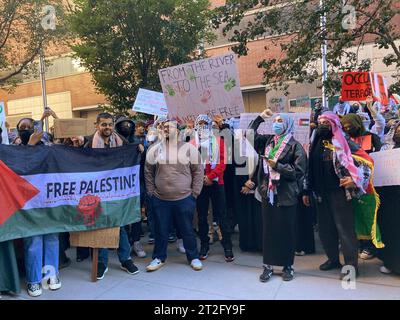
151	137
352	132
25	135
125	130
278	128
204	133
324	131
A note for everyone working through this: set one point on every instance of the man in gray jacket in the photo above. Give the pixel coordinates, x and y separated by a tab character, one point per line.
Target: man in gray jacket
174	179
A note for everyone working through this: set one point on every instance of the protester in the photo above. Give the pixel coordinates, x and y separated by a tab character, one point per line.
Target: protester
342	107
280	180
126	128
174	178
318	110
353	126
389	221
247	209
212	150
41	250
106	137
334	179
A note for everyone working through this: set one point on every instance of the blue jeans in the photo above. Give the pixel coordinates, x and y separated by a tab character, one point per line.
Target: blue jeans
124	249
40	251
164	213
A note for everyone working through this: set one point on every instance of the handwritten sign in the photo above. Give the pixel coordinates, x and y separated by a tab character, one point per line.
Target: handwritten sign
209	86
386	171
356	86
150	102
301	126
4	134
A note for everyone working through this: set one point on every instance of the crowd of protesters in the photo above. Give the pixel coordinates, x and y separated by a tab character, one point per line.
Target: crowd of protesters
276	198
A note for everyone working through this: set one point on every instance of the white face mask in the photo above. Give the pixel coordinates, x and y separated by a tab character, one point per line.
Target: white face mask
204	132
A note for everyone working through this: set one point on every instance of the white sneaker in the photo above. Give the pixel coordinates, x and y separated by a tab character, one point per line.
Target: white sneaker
196	265
34	290
138	249
180	246
155	265
54	283
385	270
300	253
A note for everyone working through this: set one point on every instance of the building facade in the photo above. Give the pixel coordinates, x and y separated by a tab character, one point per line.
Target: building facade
71	92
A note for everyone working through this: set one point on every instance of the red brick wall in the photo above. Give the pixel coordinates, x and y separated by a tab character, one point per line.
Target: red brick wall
82	90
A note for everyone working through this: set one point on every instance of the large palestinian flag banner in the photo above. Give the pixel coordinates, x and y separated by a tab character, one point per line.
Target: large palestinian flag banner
51	189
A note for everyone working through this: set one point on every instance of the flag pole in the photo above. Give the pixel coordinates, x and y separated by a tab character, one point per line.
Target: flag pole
324	49
43	86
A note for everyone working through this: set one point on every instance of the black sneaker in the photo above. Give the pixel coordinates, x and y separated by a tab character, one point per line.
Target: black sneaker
64	263
204	252
330	265
229	257
267	274
288	274
129	267
101	271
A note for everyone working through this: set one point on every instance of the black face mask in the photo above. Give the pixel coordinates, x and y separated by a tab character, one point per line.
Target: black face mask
324	131
25	135
125	131
353	132
396	138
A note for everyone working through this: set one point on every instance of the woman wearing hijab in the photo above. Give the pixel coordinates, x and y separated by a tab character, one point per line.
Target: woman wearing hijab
389	220
280	183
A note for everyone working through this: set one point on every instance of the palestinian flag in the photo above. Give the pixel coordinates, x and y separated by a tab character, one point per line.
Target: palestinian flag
51	189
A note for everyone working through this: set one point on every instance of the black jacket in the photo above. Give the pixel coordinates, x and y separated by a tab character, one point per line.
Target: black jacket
291	165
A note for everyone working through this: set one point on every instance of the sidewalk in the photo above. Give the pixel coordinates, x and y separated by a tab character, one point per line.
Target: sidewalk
219	280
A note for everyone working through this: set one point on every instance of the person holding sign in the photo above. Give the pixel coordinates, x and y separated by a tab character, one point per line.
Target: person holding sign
280	179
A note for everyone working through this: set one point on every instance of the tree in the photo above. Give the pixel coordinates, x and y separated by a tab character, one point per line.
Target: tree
27	27
297	23
124	43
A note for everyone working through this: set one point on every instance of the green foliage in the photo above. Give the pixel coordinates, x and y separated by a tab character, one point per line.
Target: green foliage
300	36
124	43
22	36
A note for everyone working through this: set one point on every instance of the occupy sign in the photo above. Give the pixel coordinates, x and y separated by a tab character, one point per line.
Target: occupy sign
356	86
209	86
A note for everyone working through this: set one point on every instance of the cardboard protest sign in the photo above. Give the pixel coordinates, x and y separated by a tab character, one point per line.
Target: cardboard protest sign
209	86
386	171
301	125
4	133
277	104
103	238
67	128
150	102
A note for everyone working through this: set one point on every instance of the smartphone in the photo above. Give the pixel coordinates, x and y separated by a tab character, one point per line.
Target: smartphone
38	126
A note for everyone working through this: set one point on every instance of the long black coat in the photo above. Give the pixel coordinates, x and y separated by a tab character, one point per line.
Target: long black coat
291	165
